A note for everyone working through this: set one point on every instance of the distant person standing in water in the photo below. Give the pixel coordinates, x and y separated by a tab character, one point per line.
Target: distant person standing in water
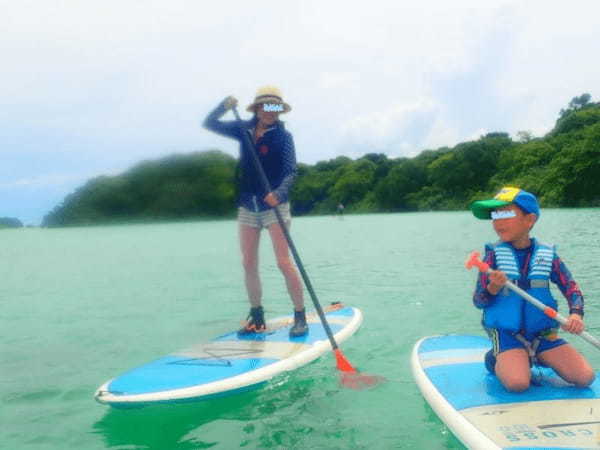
274	146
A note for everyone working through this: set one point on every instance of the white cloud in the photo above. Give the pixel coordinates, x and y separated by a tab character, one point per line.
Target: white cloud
52	180
391	125
440	134
108	83
40	181
552	60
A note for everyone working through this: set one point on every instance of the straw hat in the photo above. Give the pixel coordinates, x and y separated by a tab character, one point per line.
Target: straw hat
268	94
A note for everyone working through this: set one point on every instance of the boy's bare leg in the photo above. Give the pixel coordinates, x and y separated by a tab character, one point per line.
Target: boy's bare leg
512	368
569	364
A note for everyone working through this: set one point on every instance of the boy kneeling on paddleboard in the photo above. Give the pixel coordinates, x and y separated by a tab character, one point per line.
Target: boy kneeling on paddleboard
521	334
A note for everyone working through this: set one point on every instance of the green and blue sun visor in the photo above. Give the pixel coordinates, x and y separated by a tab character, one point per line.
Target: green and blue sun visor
482	209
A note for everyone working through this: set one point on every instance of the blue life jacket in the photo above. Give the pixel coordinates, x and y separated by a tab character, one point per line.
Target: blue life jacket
510	311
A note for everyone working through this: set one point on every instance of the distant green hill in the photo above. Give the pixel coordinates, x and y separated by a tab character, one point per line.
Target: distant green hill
562	168
175	187
10	222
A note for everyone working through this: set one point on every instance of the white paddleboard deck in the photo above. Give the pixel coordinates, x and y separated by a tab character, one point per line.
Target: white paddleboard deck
228	364
451	375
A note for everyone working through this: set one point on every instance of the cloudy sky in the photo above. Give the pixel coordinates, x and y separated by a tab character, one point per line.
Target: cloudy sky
92	87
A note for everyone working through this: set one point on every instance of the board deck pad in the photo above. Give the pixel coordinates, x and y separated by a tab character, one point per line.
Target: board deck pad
229	363
551	414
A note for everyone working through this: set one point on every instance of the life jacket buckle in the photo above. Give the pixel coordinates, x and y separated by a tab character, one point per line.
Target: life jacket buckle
536	283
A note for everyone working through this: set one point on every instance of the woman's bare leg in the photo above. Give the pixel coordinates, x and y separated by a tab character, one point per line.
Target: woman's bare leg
287	267
249	240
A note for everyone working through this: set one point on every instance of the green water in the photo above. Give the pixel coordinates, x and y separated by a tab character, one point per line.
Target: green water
81	305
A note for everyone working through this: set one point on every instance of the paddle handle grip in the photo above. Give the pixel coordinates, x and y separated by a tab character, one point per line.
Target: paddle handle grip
475	261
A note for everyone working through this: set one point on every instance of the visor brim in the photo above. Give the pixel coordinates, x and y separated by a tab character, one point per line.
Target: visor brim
482	209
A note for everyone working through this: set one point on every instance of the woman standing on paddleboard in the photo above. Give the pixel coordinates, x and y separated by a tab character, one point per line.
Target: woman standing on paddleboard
274	146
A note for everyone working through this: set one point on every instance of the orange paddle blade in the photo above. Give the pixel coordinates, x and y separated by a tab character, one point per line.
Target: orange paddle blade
359	381
350	377
342	363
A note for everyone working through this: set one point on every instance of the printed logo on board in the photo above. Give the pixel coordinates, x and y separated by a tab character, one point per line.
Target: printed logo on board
494	413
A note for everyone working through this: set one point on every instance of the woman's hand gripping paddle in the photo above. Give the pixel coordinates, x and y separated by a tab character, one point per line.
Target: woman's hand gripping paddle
474	261
349	376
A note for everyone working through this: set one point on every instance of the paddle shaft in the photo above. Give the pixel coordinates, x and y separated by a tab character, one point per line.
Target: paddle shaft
550	312
267	186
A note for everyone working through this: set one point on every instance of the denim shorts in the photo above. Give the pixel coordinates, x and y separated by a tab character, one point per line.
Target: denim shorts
505	340
263	219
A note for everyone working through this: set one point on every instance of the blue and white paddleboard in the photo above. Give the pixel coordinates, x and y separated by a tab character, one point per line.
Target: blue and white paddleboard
451	375
228	364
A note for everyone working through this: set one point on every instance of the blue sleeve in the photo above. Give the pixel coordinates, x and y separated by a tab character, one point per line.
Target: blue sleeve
289	168
561	276
213	123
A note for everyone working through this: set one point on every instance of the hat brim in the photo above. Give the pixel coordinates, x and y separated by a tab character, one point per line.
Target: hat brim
482	209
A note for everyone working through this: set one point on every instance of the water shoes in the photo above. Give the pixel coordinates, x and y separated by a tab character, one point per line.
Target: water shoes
300	327
255	323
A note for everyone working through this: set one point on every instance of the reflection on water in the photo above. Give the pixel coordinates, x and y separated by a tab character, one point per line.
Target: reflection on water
203	424
166	426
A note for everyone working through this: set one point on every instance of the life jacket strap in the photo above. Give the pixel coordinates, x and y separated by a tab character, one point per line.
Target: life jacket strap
549	334
530	346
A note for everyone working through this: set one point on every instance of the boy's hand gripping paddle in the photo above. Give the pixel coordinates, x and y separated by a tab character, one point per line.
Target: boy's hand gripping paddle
474	261
350	377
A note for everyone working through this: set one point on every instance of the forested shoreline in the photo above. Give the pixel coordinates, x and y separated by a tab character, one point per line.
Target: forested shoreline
10	222
562	168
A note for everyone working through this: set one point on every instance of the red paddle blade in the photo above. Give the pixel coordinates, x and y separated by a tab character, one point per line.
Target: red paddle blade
350	377
342	363
359	381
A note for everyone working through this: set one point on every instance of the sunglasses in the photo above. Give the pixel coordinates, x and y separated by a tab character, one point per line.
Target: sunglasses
272	107
503	214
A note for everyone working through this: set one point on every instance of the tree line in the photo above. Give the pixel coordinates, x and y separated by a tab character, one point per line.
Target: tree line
562	168
10	222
